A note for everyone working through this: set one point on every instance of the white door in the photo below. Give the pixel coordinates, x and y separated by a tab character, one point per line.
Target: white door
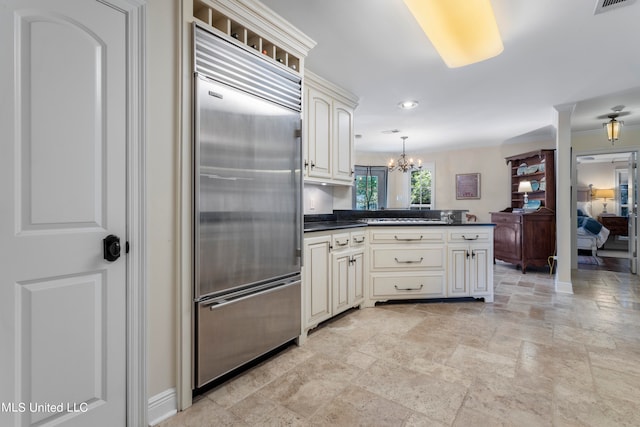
63	189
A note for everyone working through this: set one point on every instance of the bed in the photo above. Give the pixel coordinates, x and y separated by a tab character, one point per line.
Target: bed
590	235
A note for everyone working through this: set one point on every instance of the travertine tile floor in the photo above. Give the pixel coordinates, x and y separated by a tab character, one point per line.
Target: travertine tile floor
532	358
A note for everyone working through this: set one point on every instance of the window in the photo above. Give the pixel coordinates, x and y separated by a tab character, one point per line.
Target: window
370	188
421	187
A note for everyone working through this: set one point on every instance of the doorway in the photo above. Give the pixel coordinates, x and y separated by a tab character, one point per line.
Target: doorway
72	296
604	204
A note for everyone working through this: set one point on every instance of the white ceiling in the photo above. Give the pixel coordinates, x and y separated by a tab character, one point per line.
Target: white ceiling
555	52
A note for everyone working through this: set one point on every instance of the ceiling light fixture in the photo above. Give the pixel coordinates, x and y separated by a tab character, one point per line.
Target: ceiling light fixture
408	105
613	126
462	31
404	165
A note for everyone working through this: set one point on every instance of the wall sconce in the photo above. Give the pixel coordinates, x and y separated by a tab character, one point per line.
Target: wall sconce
525	187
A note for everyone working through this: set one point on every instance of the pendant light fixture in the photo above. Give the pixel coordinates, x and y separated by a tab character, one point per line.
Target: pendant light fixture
403	164
613	126
462	31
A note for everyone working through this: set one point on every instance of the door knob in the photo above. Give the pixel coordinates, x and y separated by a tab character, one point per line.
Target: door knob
111	247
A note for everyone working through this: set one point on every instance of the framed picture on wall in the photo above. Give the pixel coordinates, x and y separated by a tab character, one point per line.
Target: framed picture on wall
467	186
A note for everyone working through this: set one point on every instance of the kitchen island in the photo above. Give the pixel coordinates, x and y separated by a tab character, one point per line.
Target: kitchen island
359	262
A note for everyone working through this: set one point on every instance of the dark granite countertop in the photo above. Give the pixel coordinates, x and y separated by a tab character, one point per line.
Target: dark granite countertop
337	225
331	225
341	219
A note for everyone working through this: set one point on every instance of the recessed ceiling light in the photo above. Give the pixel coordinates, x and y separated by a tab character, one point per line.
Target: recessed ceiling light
408	105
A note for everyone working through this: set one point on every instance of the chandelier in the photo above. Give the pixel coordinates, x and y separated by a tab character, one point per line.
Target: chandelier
403	164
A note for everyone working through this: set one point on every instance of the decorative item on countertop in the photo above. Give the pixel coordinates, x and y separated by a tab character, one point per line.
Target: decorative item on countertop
535	185
471	217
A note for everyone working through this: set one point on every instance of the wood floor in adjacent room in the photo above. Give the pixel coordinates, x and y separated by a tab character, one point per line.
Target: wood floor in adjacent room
532	358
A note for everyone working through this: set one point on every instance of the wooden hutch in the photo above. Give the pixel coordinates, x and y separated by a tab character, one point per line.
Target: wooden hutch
528	237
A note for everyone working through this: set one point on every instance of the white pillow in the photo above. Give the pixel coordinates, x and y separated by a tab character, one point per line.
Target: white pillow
585	207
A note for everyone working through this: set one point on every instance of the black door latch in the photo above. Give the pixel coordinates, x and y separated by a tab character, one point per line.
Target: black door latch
111	247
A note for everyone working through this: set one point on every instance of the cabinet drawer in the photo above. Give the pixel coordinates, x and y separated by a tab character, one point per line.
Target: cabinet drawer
340	241
470	236
405	258
358	238
408	286
408	235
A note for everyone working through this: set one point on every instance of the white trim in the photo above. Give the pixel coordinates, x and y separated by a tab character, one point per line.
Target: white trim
564	287
136	212
162	406
184	212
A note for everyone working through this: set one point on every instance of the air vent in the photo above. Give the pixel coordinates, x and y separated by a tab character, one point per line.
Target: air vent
608	5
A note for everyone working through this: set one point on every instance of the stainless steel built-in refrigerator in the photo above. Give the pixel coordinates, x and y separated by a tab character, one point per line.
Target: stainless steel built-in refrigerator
247	206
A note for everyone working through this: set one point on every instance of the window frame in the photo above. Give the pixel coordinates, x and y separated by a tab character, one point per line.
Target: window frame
431	167
382	172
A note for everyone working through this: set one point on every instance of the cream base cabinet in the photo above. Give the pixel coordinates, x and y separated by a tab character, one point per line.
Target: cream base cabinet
329	132
317	301
348	279
335	271
407	263
470	261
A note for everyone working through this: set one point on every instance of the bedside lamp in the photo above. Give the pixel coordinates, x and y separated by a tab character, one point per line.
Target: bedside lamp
525	187
604	193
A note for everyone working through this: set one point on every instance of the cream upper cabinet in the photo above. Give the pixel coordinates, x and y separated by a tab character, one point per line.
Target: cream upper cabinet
343	137
318	124
329	132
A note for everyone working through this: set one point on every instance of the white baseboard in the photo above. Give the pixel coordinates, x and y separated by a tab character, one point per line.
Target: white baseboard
564	287
162	406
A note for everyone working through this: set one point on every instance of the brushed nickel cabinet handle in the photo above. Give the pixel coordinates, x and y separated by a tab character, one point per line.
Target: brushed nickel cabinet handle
339	243
407	289
409	261
470	238
355	240
407	239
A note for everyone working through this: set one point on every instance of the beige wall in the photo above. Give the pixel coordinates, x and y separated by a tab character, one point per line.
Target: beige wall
162	146
488	161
